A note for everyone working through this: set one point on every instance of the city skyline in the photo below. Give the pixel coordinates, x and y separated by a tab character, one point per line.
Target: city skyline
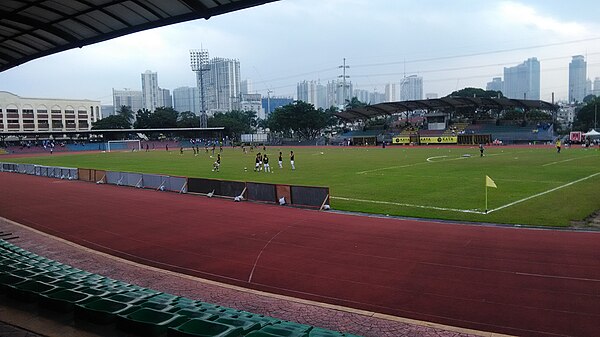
451	46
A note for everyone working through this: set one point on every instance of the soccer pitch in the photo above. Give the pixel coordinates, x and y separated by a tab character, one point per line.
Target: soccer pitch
535	186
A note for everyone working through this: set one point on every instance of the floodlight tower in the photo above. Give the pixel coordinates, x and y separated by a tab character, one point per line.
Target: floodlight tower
199	64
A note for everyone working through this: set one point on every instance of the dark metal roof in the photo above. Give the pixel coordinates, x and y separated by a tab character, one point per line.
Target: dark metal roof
442	104
30	29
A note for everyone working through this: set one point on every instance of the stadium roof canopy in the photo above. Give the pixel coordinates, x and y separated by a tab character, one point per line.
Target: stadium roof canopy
30	29
442	104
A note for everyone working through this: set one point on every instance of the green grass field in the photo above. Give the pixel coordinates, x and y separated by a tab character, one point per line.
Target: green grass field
427	182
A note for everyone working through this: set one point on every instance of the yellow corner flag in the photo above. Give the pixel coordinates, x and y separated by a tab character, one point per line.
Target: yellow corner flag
489	182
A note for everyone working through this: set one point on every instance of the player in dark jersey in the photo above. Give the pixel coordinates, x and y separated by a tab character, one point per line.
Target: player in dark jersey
217	163
266	163
280	160
292	160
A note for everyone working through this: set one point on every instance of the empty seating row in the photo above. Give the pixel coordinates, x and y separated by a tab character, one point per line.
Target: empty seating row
29	278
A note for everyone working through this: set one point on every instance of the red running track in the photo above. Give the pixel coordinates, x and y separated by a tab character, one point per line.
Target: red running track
505	280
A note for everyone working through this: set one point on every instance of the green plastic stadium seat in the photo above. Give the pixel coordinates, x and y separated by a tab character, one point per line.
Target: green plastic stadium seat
102	310
30	290
197	313
148	322
158	306
7	280
7	268
245	325
260	319
66	284
203	328
126	298
43	277
93	291
63	300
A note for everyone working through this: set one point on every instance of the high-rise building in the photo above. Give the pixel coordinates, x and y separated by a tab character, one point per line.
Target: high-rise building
335	92
596	88
127	97
252	102
523	81
362	95
246	87
224	85
377	97
577	78
269	104
588	87
186	99
164	98
411	88
150	95
391	92
312	92
495	85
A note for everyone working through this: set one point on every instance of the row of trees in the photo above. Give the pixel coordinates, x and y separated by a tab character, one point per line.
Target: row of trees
299	119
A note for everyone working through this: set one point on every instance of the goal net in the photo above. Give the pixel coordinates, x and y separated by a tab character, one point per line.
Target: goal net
123	145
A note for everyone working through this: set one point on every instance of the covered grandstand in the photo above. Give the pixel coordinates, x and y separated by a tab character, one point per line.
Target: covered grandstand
440	125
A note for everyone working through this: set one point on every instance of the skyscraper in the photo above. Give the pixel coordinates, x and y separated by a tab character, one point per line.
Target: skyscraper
596	88
577	78
411	88
523	81
186	99
391	92
312	92
224	85
127	97
150	95
164	98
495	85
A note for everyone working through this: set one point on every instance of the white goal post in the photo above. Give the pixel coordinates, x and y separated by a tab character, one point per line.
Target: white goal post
123	145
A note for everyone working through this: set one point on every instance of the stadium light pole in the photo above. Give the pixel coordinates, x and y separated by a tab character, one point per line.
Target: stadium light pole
199	64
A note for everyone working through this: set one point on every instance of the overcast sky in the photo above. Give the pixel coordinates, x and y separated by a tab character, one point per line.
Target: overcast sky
451	44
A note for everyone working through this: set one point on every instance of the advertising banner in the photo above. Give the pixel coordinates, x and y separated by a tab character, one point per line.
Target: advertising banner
439	140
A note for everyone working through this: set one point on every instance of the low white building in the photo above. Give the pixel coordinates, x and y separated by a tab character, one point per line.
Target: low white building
46	114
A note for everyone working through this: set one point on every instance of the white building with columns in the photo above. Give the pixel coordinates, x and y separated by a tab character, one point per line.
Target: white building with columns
46	114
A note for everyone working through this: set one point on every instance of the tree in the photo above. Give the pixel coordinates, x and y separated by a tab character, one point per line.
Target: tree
236	122
126	112
111	122
142	119
476	92
355	103
473	113
586	117
163	117
188	119
302	118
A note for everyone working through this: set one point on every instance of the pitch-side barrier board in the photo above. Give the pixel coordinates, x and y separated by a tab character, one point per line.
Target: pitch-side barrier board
40	170
165	183
308	196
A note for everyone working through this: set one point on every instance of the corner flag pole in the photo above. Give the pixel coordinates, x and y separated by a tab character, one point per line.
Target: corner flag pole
488	183
486	204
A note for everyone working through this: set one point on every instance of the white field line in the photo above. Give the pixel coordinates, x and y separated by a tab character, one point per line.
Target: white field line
410	205
545	192
564	161
429	161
